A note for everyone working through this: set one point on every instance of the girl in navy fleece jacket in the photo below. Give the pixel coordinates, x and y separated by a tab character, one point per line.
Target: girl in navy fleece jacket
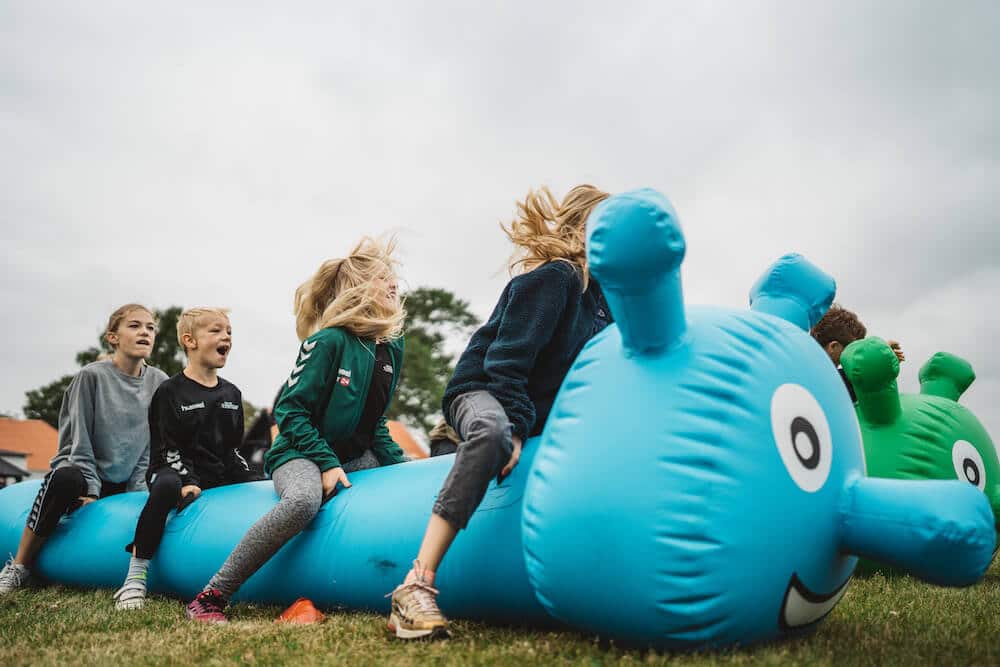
506	380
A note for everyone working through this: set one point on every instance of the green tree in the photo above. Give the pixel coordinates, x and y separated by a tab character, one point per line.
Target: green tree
43	403
433	317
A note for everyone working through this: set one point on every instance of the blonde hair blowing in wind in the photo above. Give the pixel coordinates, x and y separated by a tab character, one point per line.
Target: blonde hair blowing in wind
352	293
546	230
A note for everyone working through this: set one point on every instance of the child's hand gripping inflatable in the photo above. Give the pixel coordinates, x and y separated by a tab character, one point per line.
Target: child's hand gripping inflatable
701	478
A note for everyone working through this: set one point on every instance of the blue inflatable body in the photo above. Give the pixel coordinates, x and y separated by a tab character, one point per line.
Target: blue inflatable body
700	482
357	549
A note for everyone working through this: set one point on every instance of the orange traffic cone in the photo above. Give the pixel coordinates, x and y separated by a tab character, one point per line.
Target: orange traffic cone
302	611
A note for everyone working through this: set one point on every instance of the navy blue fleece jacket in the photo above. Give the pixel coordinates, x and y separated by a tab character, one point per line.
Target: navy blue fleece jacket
524	351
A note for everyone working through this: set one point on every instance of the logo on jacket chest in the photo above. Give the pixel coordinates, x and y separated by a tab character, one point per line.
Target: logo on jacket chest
343	377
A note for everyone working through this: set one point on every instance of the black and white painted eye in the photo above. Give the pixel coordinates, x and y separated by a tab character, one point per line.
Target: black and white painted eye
968	464
802	435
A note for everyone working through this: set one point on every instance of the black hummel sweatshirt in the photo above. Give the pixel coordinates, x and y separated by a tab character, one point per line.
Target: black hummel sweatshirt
196	430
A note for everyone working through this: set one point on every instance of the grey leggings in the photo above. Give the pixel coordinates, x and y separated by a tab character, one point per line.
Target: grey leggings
300	490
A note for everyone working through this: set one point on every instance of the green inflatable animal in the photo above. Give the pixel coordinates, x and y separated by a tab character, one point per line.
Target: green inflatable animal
920	436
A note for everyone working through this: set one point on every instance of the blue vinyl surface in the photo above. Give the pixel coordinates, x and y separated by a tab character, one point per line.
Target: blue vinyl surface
357	549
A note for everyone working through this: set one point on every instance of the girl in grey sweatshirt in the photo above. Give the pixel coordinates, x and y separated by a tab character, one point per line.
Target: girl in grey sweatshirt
103	435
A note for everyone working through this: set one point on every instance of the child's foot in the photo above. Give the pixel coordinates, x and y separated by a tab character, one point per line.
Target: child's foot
129	597
13	576
132	594
415	614
208	606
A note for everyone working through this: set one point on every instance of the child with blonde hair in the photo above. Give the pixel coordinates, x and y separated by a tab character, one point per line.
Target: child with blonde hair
506	380
196	426
103	435
331	411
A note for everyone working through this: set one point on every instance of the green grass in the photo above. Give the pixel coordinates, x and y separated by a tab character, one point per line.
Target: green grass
880	621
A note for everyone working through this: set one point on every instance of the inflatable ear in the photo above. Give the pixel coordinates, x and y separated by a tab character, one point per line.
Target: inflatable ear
872	368
940	531
946	375
794	289
635	248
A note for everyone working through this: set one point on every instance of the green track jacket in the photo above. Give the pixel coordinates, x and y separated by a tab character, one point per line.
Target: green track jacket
336	364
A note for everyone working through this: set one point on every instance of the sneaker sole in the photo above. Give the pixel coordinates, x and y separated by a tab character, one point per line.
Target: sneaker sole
215	621
397	628
24	585
130	606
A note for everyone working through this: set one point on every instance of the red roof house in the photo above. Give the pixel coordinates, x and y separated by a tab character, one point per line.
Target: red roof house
32	437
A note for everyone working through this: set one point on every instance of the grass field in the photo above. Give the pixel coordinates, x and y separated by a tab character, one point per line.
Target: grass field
880	621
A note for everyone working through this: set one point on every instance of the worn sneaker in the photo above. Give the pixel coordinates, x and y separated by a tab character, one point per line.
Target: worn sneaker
415	614
13	576
128	598
208	606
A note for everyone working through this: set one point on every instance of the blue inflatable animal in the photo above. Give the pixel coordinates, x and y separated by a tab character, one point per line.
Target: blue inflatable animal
700	481
357	549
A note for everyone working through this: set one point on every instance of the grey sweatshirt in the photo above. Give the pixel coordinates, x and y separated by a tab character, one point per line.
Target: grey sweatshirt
104	425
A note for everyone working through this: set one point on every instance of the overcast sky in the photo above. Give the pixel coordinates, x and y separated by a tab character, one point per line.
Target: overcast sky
215	155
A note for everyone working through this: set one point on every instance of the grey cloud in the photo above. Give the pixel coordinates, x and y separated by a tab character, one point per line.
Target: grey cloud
267	139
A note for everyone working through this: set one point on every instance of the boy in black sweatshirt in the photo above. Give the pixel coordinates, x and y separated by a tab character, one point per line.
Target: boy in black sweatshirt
196	427
839	328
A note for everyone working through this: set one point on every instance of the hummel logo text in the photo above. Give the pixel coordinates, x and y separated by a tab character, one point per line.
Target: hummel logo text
193	406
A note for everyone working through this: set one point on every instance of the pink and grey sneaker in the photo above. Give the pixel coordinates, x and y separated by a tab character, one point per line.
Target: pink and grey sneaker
208	606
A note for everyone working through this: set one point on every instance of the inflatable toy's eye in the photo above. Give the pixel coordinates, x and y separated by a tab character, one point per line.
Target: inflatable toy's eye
968	464
802	435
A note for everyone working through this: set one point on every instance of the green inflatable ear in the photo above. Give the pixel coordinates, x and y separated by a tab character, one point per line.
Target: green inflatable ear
946	375
872	368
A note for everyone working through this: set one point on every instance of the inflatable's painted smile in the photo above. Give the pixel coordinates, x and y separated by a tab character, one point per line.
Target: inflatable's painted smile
802	607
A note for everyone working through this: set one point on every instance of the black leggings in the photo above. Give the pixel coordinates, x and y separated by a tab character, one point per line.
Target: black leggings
164	494
60	494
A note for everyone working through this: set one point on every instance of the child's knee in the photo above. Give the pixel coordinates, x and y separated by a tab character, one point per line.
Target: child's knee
491	429
303	504
69	478
165	486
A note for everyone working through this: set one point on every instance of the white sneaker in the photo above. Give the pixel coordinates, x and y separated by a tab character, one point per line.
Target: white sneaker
128	598
13	576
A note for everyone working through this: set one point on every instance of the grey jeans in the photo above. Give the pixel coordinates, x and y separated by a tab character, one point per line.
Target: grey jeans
485	449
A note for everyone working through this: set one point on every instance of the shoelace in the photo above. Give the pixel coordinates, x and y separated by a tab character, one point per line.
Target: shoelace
11	574
210	603
425	597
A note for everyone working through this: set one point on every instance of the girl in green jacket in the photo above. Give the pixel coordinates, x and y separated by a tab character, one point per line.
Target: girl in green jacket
331	411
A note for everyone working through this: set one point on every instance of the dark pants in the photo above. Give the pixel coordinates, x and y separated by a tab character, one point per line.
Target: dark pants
164	494
485	449
60	494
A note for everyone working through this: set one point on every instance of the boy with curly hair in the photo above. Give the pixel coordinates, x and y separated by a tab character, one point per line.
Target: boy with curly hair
839	328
